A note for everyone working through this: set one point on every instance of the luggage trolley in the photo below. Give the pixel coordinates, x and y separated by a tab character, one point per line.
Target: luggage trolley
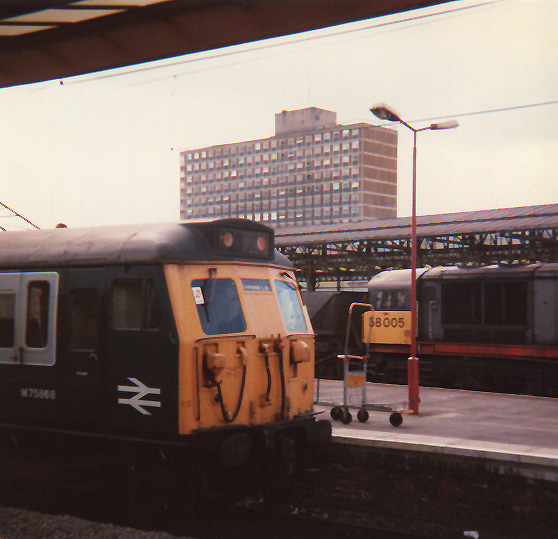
354	384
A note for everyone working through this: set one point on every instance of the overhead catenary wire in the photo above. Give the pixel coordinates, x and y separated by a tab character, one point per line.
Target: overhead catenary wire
16	214
490	111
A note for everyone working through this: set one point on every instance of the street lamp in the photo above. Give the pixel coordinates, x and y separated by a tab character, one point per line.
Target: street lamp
383	112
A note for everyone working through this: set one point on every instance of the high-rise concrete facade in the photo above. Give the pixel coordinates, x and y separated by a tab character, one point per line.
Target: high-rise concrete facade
313	171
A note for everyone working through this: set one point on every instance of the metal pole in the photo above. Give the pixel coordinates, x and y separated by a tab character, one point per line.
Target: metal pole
382	111
413	366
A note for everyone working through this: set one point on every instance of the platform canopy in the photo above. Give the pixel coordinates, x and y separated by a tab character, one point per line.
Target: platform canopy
52	39
356	251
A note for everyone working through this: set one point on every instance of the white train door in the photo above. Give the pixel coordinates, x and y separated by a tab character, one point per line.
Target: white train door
28	304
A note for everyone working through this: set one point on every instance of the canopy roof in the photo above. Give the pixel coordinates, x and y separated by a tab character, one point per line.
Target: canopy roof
53	39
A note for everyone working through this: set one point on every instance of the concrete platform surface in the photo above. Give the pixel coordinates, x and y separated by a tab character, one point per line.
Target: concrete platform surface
513	428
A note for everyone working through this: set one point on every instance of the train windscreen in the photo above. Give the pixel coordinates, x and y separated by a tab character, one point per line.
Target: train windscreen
291	308
218	306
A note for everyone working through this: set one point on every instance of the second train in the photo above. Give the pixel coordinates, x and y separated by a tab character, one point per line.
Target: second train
491	328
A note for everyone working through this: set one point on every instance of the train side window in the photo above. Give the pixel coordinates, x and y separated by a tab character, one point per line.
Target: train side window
218	306
505	304
84	318
7	319
135	306
461	303
126	304
36	331
515	304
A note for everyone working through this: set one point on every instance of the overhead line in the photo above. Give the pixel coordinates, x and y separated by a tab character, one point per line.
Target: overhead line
17	215
489	111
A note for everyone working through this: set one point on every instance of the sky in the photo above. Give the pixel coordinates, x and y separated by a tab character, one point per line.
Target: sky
103	148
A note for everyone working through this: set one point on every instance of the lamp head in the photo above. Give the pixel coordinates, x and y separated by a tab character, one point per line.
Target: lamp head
448	124
383	112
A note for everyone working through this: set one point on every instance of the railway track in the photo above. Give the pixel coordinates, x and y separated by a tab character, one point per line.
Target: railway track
235	522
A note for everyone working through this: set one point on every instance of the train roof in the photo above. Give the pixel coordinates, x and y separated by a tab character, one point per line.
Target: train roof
400	278
492	272
139	244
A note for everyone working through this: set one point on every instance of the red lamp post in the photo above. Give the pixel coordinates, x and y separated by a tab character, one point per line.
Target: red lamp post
383	112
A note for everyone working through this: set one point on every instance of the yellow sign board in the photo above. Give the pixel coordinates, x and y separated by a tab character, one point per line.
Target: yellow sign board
356	380
386	327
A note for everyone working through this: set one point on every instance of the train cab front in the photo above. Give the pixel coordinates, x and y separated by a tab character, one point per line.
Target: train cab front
246	366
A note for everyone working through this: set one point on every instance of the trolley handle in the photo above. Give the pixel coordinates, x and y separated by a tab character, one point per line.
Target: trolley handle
367	307
347	357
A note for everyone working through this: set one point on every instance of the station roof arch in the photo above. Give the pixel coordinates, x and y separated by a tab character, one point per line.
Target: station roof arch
54	39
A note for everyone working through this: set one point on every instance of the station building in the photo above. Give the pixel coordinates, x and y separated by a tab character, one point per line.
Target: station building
312	171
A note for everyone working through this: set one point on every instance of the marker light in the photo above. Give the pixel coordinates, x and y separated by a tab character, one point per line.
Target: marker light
228	239
245	242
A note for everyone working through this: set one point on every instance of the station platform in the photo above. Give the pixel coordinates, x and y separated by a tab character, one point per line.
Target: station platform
514	430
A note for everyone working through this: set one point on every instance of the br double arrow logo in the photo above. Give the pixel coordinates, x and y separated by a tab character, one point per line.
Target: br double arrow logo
137	401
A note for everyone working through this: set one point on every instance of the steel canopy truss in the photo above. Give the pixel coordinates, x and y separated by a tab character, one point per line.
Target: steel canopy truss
502	240
351	260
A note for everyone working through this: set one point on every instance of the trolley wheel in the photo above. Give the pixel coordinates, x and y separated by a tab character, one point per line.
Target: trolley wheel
363	415
336	413
396	419
346	417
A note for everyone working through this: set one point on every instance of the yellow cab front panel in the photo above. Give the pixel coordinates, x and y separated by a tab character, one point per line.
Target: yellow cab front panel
246	345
